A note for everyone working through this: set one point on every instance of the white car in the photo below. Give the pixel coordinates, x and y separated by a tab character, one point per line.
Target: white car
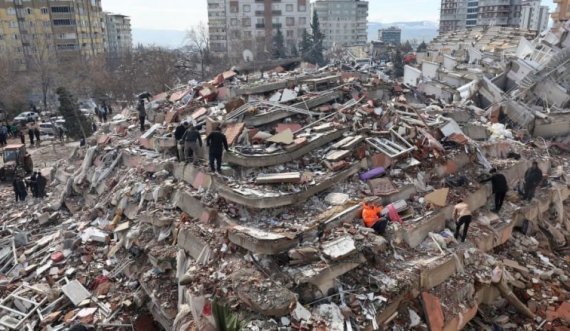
28	116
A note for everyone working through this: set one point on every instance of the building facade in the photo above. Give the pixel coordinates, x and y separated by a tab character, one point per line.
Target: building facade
562	12
534	17
391	35
118	35
237	26
461	14
343	22
30	29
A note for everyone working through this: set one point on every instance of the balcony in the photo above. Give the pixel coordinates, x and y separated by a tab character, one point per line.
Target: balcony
277	25
260	26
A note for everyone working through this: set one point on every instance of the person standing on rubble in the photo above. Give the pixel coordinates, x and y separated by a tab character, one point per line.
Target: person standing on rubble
142	113
3	135
22	136
178	134
500	188
31	136
37	134
532	179
372	217
33	184
41	183
191	140
462	216
217	142
19	189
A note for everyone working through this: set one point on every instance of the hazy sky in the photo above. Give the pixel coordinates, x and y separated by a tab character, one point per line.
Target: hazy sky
183	14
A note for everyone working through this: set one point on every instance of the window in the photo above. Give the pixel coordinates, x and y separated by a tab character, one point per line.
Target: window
568	9
234	9
289	7
61	9
63	22
290	21
247	34
13	24
234	22
246	21
302	8
290	33
11	11
246	8
260	7
44	10
28	11
276	6
302	20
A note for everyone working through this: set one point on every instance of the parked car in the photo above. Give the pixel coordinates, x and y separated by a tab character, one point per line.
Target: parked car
28	116
47	129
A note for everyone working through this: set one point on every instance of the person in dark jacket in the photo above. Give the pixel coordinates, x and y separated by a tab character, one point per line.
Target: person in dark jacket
178	134
217	142
22	136
41	185
142	113
19	189
191	140
31	135
500	188
33	184
37	134
532	179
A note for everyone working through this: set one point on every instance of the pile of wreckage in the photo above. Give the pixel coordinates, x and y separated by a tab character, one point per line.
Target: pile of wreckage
129	237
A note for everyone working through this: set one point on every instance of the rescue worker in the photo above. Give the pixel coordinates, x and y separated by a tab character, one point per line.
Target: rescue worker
532	179
217	142
37	134
34	184
372	217
191	140
41	185
462	217
142	113
19	189
31	135
178	134
500	188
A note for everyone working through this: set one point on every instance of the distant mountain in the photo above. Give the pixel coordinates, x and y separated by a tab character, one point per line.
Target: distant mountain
163	38
420	30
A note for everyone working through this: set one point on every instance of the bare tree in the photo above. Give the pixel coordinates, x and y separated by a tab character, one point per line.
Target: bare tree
42	66
13	97
197	40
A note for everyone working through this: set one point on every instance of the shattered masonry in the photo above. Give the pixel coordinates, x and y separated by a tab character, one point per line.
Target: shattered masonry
129	237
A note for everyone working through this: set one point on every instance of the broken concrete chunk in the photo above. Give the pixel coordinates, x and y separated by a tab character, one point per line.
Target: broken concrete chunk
438	197
286	137
339	248
286	177
75	292
336	199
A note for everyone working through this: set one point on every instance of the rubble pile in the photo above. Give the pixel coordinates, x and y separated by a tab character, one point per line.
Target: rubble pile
130	237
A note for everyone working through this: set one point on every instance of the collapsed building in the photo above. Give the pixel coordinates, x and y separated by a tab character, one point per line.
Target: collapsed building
129	237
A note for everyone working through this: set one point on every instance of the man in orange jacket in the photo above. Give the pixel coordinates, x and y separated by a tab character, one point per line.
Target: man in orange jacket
371	214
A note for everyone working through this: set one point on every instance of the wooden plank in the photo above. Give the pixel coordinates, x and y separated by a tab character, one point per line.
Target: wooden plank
336	155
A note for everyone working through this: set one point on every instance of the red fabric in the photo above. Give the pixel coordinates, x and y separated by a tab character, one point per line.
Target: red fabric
393	214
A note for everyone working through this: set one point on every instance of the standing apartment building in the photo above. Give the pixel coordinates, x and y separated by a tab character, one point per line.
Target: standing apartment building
461	14
562	13
534	17
343	22
391	35
118	35
235	26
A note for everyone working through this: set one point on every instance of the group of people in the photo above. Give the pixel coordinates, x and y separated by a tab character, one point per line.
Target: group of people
103	111
33	132
36	184
376	217
189	141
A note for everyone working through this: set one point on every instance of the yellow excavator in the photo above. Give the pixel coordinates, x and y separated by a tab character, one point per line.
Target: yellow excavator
17	162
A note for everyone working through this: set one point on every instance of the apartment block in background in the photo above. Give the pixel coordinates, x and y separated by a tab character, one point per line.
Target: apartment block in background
461	14
343	22
534	17
235	26
118	35
30	28
562	12
391	35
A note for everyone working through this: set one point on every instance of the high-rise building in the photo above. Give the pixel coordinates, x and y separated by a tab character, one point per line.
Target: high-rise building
29	29
461	14
534	17
562	12
236	26
118	36
343	22
391	35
